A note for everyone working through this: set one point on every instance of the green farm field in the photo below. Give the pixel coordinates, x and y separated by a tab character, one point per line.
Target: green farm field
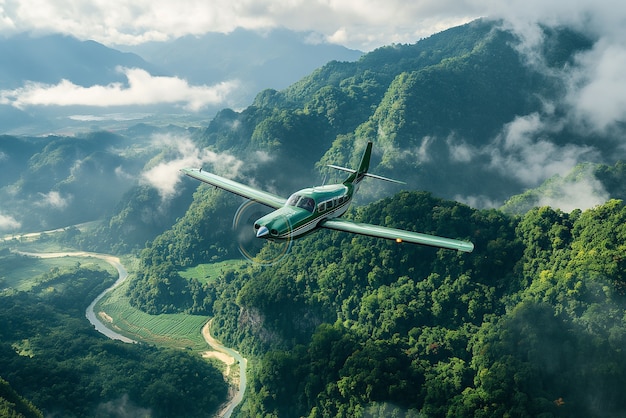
205	273
179	331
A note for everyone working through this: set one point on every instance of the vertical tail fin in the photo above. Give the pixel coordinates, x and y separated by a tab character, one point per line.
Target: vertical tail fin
358	175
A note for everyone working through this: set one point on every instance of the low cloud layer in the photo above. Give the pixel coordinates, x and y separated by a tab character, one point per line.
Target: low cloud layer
142	89
524	152
8	223
580	194
53	200
598	87
165	176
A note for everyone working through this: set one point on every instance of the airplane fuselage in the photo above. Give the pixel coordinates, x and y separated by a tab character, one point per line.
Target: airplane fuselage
322	206
304	211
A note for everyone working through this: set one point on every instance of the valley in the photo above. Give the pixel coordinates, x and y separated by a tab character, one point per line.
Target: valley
117	320
48	277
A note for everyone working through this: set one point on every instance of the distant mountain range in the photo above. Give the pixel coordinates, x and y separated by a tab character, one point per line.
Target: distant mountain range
273	60
256	61
50	59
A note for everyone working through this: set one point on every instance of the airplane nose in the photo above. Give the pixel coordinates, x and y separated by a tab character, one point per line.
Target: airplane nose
263	231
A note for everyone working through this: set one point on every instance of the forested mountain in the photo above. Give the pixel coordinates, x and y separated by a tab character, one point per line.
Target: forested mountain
529	324
458	114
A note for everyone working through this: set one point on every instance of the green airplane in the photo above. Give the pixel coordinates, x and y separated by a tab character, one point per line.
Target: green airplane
320	207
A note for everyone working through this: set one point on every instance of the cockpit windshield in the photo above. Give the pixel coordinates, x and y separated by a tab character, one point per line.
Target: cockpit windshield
303	202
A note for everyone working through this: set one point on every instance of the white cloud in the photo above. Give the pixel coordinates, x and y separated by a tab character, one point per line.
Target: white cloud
8	223
118	117
597	82
165	176
121	174
522	153
598	90
54	200
460	151
581	194
362	24
143	89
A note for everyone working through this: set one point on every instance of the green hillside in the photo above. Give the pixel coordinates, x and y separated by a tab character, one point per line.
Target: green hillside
14	406
351	326
360	325
438	112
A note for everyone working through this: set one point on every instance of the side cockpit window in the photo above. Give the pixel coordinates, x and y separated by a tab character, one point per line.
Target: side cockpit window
332	203
306	203
303	202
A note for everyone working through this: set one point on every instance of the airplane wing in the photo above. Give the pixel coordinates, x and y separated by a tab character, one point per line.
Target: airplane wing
398	235
248	192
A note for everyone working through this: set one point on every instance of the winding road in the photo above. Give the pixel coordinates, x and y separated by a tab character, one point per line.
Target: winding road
228	408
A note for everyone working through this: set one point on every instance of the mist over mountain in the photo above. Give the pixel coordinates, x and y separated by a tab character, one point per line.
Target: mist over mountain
474	113
469	114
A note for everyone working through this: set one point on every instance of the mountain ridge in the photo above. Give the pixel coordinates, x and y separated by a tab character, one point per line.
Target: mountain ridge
468	100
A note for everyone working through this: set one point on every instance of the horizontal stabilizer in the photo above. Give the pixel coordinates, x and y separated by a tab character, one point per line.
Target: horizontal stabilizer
349	170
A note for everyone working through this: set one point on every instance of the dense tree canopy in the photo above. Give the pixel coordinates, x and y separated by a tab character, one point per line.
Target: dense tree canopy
359	325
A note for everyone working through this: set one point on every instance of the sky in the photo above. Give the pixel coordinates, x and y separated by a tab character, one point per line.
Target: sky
359	24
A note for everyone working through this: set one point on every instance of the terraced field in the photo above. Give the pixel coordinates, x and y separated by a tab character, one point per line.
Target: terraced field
171	330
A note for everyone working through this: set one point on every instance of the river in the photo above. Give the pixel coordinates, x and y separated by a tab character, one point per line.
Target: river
91	315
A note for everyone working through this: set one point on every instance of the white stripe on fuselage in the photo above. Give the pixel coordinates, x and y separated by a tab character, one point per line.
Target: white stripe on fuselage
312	224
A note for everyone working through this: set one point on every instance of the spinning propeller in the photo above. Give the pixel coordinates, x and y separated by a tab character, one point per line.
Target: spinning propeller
257	250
